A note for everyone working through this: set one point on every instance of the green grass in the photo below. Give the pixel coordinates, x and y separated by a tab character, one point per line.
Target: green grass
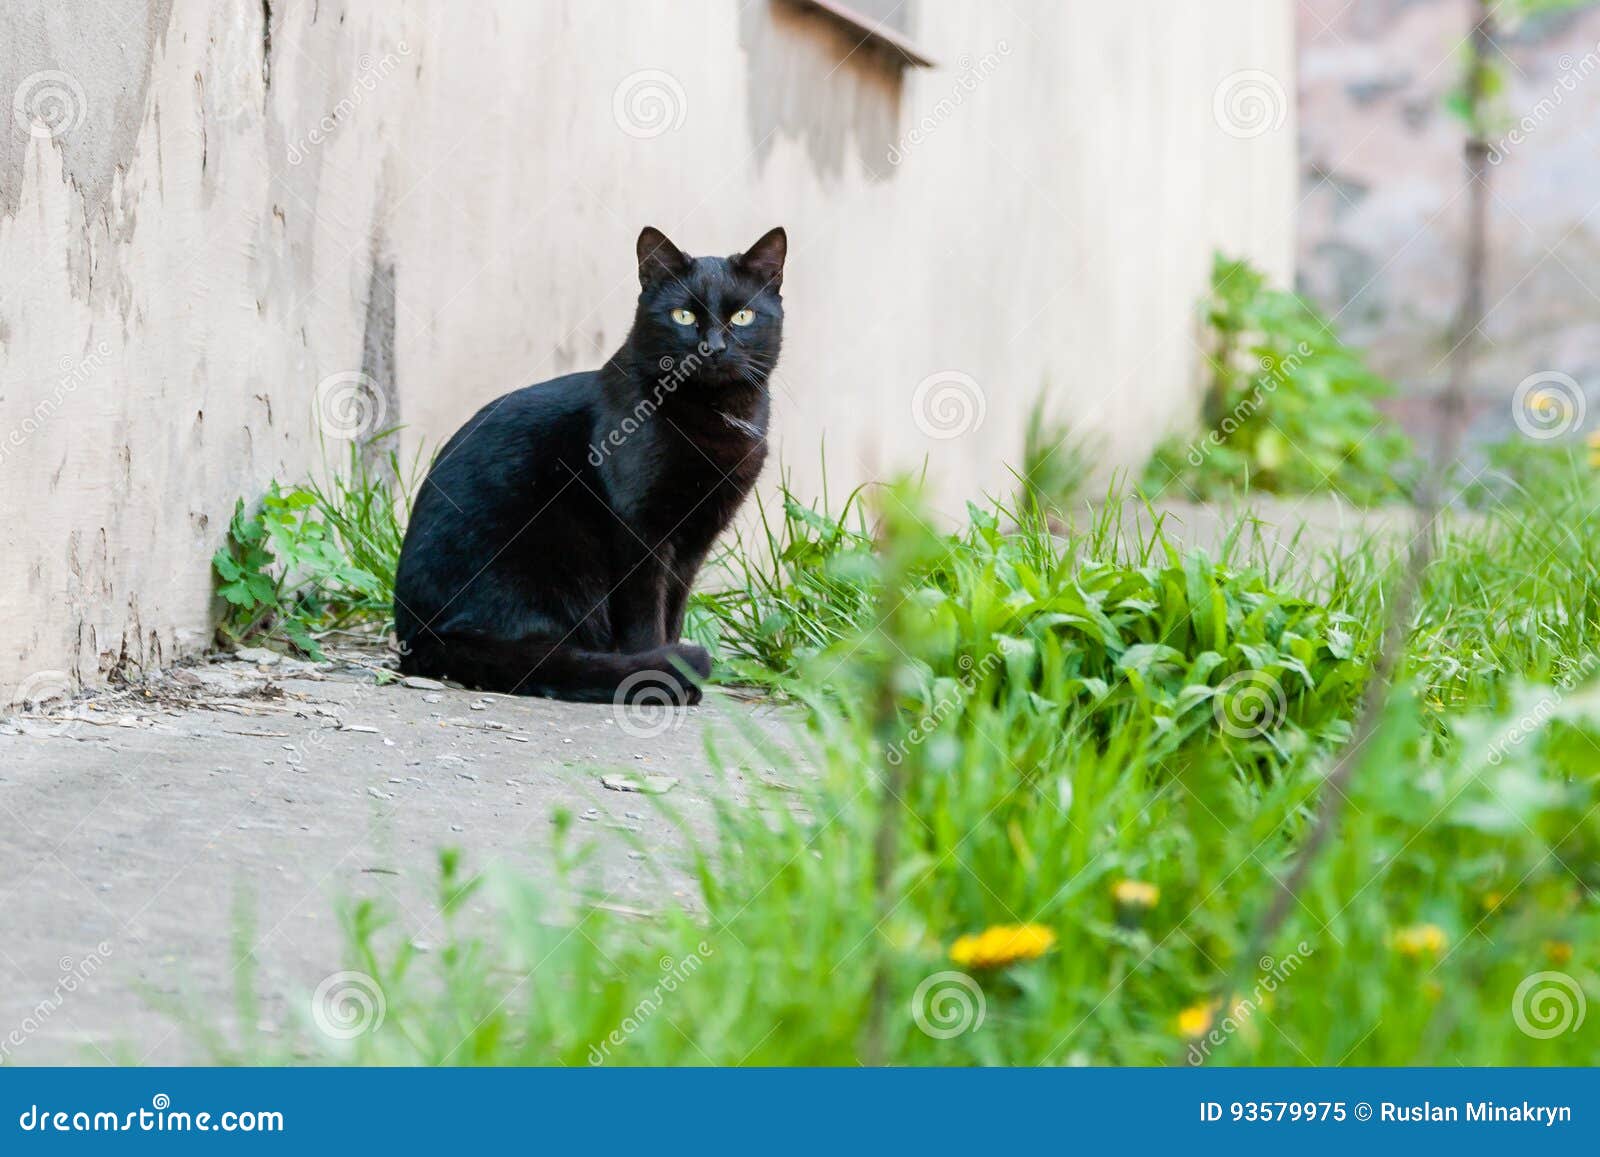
316	557
1290	408
1007	724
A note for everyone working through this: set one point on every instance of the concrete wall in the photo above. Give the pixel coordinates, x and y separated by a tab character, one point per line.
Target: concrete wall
227	227
1383	181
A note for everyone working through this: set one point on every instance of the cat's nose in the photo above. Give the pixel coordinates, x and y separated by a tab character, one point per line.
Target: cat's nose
715	343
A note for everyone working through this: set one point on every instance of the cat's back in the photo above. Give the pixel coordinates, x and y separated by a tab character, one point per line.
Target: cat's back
529	441
520	430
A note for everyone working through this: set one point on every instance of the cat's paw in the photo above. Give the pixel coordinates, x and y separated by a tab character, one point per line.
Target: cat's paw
695	657
671	677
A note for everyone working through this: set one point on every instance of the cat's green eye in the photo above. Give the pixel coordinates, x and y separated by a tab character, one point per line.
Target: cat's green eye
743	317
683	316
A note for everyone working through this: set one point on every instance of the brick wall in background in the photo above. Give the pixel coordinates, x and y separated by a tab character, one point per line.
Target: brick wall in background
1383	205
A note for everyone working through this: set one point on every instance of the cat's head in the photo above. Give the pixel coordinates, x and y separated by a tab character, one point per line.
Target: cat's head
718	319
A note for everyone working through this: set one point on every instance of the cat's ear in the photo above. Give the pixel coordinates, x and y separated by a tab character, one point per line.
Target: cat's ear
658	257
764	259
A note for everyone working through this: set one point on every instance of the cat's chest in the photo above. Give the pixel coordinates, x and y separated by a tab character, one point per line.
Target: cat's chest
693	490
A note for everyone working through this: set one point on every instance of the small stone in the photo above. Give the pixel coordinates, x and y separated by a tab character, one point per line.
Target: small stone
378	793
421	683
590	814
258	655
648	785
360	727
456	828
433	698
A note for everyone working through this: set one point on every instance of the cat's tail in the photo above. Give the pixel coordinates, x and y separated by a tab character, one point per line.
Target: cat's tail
539	666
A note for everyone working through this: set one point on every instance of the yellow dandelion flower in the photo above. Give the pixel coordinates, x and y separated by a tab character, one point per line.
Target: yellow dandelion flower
1492	900
1135	894
1419	940
1557	952
1195	1021
1002	945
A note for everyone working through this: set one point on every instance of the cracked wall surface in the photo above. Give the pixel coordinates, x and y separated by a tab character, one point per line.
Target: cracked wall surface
233	233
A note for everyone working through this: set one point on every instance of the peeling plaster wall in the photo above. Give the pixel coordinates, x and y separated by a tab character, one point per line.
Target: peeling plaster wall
226	227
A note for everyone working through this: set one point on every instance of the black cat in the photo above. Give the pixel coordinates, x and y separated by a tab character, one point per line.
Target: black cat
555	539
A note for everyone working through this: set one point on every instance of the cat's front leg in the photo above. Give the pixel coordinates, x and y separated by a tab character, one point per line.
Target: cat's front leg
677	598
639	608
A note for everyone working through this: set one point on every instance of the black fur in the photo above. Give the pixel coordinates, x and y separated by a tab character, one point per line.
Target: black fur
554	542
